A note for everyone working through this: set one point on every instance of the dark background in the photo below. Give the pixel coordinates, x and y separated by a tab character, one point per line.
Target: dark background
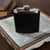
43	5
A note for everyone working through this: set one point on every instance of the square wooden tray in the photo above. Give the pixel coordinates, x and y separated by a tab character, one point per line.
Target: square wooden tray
25	41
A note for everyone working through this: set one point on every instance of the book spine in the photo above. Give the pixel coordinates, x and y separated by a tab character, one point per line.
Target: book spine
8	4
3	14
13	6
5	7
2	8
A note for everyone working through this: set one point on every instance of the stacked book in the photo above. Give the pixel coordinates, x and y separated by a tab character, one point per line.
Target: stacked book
6	7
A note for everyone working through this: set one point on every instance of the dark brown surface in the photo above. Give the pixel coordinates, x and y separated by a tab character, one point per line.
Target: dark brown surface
43	5
4	45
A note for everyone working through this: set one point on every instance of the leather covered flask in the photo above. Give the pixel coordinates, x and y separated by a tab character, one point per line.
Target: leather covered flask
26	19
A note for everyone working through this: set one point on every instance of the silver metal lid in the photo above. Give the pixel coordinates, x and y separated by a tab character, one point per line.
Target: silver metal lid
35	10
26	8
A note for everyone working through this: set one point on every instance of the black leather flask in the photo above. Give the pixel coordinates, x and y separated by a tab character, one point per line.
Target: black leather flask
26	19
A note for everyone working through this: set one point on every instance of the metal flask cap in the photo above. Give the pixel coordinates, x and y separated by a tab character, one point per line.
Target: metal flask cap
26	8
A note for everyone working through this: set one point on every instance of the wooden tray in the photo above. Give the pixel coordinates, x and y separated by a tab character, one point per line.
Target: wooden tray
25	41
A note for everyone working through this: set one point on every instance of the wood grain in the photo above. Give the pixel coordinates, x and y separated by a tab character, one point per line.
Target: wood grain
4	45
43	5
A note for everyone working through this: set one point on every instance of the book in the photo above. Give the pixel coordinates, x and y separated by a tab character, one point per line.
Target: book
4	4
8	10
25	41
